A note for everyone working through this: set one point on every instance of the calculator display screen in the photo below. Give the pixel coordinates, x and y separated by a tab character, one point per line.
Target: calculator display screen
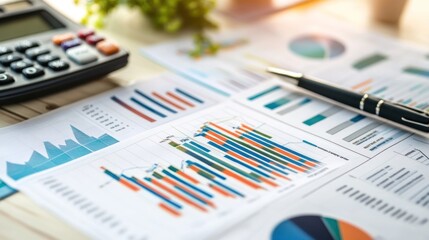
27	24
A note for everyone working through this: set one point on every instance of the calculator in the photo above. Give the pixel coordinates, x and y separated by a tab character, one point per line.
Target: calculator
42	51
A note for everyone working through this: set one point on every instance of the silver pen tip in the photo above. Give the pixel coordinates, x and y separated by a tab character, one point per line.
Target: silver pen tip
284	72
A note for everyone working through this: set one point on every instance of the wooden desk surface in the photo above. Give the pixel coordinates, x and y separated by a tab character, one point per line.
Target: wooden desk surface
21	218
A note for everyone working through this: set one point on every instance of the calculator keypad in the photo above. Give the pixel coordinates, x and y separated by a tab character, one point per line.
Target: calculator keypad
33	60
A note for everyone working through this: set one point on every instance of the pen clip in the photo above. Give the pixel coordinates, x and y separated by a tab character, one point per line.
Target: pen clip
415	122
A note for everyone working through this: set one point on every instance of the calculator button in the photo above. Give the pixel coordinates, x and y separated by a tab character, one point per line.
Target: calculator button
20	65
94	39
58	65
32	53
84	33
6	60
46	58
33	72
24	45
58	39
107	48
71	43
5	50
6	79
82	54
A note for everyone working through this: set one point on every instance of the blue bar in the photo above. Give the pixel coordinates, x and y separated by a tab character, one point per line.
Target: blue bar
227	188
187	184
112	175
154	101
247	166
205	169
285	148
357	118
189	96
263	93
148	108
263	161
314	120
380	90
277	103
199	146
151	191
270	147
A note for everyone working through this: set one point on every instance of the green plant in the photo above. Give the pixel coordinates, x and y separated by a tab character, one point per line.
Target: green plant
166	15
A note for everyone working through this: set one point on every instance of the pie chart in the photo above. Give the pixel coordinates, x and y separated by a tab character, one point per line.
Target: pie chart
317	47
313	227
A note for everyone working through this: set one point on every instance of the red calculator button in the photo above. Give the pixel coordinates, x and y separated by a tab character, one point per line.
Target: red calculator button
107	48
58	39
94	39
84	33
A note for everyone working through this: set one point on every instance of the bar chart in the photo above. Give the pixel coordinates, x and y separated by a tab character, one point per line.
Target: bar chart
191	174
353	130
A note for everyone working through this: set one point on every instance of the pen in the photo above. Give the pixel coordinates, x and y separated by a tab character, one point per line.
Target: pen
365	102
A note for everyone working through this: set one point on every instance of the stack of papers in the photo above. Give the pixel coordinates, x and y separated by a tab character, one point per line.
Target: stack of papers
220	150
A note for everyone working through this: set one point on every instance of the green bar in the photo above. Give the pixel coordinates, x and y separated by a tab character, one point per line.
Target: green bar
173	144
173	168
206	175
417	71
371	60
262	134
258	95
314	120
157	175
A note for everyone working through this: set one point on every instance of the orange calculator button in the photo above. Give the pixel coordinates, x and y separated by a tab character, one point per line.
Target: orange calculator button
107	48
58	39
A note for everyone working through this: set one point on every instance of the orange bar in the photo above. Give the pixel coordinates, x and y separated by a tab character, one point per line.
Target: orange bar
221	191
215	140
180	99
193	180
172	182
236	155
279	175
160	185
241	179
151	188
359	85
169	209
168	101
225	130
222	138
129	185
269	182
287	154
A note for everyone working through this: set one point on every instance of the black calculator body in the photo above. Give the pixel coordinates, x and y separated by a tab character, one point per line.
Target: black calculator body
41	51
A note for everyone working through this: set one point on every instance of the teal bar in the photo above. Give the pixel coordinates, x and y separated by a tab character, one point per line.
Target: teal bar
417	71
277	103
314	120
263	93
380	90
